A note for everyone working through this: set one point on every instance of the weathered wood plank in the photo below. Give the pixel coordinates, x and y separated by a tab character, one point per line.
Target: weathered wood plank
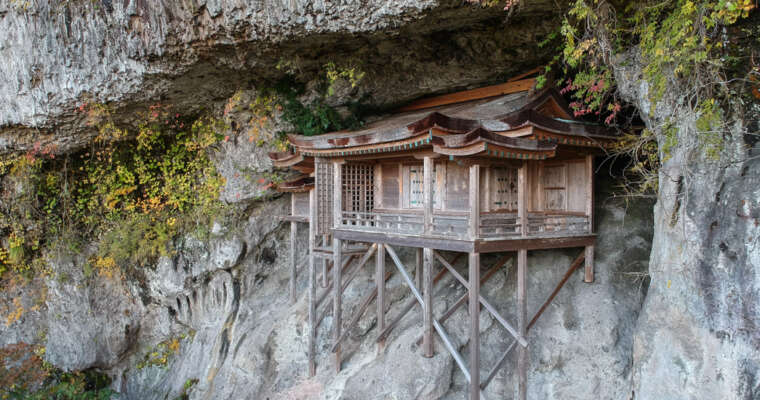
590	192
522	316
474	300
337	261
588	275
522	204
293	261
427	188
312	284
427	278
380	288
406	240
474	218
474	94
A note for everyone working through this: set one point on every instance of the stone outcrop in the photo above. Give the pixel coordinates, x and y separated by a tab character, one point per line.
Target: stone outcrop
692	333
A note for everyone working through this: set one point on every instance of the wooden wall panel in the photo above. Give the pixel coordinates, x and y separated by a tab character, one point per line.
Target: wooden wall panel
390	185
576	186
457	187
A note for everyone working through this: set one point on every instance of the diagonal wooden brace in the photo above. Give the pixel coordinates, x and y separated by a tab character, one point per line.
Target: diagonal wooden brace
491	309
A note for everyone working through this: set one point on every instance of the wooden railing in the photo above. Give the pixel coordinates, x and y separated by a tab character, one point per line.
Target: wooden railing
454	225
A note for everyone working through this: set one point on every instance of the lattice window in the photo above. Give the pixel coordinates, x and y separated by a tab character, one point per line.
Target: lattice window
358	187
503	188
324	187
414	186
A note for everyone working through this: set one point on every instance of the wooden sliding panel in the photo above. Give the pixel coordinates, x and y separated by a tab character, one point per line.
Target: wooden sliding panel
577	186
391	186
553	187
457	187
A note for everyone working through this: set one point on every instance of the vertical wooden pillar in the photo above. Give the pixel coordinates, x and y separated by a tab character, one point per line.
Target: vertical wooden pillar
418	267
588	273
380	282
427	188
474	305
427	298
474	220
522	324
590	192
522	206
293	266
325	243
337	260
312	281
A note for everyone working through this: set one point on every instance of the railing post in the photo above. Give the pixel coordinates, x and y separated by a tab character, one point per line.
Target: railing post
427	187
474	220
522	214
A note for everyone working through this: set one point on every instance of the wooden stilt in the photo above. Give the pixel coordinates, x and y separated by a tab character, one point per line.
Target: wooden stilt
418	267
380	283
325	243
474	298
312	283
588	274
427	282
337	261
293	268
522	324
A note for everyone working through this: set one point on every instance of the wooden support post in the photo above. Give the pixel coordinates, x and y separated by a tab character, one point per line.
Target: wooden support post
522	189
522	324
312	281
590	192
325	243
380	282
337	260
588	273
427	188
418	267
474	290
427	283
474	220
293	266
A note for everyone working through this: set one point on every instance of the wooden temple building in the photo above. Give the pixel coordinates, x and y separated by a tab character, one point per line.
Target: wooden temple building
500	169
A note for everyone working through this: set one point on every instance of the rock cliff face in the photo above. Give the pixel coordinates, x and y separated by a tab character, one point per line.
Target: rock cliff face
214	321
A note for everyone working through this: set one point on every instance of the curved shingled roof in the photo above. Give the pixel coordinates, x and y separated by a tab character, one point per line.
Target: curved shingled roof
522	125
